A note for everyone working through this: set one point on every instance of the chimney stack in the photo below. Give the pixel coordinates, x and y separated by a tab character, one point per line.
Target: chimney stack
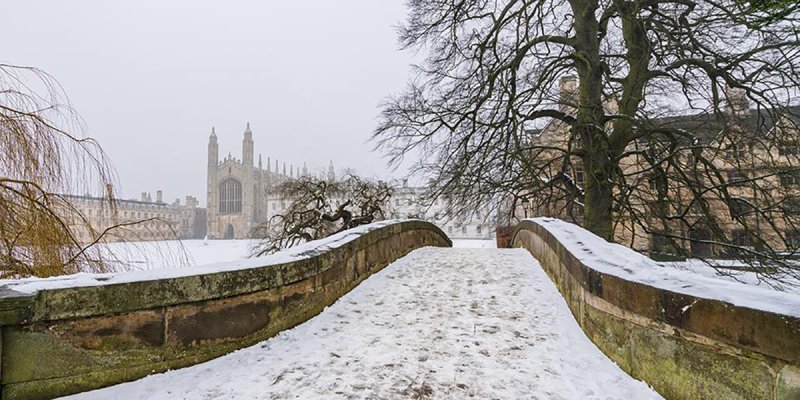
568	91
159	195
738	103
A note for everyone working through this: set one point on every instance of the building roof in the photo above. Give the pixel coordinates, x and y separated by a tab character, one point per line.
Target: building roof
119	201
707	126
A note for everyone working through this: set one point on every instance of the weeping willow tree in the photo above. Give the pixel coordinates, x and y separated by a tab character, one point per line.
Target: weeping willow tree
41	158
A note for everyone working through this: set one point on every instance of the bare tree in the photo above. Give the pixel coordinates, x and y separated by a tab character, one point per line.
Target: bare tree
651	124
321	207
42	156
772	10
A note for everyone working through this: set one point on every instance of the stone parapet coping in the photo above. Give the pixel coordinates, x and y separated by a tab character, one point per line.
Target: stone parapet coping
685	346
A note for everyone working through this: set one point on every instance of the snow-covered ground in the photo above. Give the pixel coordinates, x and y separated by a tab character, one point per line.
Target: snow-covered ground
169	254
144	256
235	258
138	261
436	324
475	243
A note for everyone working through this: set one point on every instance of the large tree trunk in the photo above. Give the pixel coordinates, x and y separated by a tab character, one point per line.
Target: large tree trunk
598	199
590	121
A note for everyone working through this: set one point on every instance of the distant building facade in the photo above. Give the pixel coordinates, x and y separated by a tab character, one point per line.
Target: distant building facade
410	202
241	196
738	161
240	192
138	220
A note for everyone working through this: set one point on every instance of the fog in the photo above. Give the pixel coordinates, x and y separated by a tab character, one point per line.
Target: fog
150	79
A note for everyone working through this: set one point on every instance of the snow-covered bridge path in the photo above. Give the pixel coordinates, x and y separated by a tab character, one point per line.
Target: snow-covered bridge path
437	324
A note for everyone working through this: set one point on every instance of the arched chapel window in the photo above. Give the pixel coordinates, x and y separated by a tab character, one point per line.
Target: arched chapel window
230	197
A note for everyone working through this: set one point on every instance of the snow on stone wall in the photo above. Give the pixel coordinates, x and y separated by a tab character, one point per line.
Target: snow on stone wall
689	336
618	260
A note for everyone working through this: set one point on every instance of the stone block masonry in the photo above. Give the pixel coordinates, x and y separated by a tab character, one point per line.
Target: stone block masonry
62	341
686	347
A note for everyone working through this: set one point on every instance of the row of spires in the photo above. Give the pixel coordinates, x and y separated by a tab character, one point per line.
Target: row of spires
247	131
248	137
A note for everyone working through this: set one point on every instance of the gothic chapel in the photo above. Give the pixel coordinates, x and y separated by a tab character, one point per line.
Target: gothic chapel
239	192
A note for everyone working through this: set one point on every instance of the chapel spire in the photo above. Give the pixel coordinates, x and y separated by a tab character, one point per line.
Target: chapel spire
213	149
247	147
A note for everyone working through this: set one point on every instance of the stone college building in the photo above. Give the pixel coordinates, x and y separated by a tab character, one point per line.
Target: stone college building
240	192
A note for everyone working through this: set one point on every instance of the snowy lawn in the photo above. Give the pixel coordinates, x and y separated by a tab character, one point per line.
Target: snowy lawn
153	260
156	262
169	254
437	324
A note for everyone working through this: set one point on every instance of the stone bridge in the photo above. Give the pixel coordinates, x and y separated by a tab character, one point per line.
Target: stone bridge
440	323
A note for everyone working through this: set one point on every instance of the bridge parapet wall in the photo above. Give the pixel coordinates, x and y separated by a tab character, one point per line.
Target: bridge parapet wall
686	345
59	341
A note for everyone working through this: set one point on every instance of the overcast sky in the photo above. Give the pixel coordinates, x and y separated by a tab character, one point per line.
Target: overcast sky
151	78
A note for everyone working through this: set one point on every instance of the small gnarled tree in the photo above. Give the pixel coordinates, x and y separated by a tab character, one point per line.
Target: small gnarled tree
320	207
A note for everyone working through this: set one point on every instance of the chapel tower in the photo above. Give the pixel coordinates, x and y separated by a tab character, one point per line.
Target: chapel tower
213	162
248	184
